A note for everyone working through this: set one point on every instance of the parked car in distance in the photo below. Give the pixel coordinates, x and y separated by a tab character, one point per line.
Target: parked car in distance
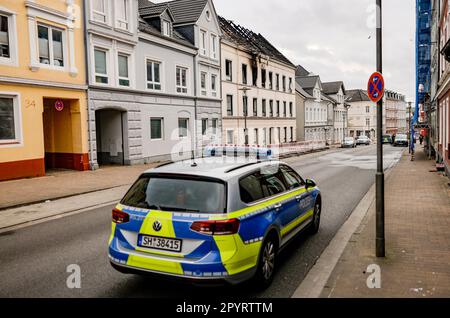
401	140
363	140
387	139
349	142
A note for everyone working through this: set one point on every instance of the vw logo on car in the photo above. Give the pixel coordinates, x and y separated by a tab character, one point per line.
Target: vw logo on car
157	226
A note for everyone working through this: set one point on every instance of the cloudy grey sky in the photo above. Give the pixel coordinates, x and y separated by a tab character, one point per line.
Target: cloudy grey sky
333	38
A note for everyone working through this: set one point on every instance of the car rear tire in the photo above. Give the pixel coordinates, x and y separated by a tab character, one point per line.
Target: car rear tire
266	263
315	224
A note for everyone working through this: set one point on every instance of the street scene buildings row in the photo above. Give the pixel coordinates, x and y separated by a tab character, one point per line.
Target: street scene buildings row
99	82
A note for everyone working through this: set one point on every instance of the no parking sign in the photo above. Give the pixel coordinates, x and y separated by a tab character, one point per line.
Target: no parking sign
59	105
375	87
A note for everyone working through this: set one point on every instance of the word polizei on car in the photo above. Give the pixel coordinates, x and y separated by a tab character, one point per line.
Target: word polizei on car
204	221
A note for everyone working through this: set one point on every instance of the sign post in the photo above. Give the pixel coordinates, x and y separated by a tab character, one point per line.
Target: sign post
375	91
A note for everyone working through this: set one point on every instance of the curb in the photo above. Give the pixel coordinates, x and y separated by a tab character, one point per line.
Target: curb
317	278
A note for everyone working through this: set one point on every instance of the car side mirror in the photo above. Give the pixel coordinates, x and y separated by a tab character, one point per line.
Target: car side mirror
310	184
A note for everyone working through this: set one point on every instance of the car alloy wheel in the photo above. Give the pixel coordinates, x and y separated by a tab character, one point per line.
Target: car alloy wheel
268	260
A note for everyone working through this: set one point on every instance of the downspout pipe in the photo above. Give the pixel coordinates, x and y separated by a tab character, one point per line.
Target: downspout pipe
86	66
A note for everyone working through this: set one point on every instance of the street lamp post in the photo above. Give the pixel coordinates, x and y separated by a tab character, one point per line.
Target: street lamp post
244	90
380	231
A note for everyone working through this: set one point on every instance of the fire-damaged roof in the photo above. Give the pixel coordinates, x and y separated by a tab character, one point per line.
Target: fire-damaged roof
183	11
250	41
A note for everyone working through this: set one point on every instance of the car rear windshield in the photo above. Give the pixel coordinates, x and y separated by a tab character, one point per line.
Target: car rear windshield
175	194
402	137
348	139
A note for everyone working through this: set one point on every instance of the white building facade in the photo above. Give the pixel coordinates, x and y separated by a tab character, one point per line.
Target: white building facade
336	92
362	114
267	107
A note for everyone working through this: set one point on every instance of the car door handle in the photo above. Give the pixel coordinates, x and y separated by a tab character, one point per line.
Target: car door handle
298	198
277	206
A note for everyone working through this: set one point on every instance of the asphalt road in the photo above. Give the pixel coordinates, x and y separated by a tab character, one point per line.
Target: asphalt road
34	260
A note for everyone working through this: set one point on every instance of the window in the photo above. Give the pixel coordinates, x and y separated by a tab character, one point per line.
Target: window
203	83
124	79
250	188
156	128
368	122
4	37
202	42
273	184
284	83
277	82
263	78
153	75
99	10
368	109
166	28
264	110
214	126
244	74
293	180
271	108
101	70
214	84
230	137
270	80
245	105
214	46
291	110
254	74
204	126
228	70
292	134
284	109
285	134
9	120
50	46
278	109
183	126
290	84
181	79
229	105
255	107
122	14
255	135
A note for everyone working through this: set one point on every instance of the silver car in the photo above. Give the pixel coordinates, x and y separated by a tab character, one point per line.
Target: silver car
349	142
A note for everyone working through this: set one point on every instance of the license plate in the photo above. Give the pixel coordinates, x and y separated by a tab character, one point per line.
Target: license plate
160	243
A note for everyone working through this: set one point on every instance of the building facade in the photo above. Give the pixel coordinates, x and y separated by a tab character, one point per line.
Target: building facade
362	114
336	91
43	118
154	79
394	113
318	107
258	89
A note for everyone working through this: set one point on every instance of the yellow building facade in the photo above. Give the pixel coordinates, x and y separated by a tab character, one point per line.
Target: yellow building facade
43	92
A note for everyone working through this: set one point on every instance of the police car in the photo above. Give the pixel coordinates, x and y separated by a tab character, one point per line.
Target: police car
205	221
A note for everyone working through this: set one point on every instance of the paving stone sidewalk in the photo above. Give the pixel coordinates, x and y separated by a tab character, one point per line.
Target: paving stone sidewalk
417	263
60	184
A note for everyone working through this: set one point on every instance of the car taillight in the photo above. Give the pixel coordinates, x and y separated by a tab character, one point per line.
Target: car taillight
216	227
120	217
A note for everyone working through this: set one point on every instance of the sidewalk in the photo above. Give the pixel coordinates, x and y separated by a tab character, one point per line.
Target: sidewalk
417	262
63	184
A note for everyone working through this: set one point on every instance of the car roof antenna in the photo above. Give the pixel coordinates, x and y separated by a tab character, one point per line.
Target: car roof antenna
194	164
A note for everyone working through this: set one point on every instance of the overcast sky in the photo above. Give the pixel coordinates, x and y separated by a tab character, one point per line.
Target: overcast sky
333	38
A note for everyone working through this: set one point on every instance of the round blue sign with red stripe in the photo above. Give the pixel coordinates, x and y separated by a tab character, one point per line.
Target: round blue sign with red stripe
59	105
375	87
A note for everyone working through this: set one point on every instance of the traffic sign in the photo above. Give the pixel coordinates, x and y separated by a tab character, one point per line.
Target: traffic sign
59	105
375	87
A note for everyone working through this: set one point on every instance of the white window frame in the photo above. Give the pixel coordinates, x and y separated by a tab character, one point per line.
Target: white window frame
50	47
180	86
169	28
187	128
214	89
129	78
214	46
161	73
12	60
203	90
214	126
18	140
230	76
228	132
108	71
203	44
105	14
162	128
119	21
204	133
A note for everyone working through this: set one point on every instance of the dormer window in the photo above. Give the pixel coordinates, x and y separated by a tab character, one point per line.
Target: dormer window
317	94
166	28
